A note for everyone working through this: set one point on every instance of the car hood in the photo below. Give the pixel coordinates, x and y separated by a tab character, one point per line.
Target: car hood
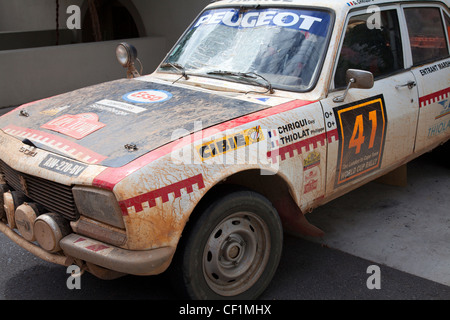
116	122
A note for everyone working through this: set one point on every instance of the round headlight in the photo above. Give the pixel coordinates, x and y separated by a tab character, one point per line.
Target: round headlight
126	54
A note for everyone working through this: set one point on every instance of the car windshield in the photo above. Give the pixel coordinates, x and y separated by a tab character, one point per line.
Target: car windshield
273	47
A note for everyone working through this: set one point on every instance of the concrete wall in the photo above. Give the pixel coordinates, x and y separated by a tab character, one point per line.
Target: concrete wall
33	15
35	73
30	74
34	39
169	18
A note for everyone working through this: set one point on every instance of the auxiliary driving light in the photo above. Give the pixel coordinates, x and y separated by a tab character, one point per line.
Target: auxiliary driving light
11	201
49	230
127	56
25	217
3	189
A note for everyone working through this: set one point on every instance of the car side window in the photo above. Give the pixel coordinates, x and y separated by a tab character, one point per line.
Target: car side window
447	22
371	47
426	34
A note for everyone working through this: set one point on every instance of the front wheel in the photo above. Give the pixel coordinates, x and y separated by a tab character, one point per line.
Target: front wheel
232	250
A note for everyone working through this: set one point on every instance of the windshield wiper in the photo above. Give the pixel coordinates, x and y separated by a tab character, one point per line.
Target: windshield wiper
177	67
245	75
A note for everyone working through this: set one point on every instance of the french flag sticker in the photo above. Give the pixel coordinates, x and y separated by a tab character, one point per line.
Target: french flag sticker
274	138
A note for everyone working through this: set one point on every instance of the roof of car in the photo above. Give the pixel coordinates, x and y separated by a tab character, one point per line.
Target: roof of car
337	5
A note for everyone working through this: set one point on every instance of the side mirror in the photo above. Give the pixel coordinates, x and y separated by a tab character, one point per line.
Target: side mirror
127	55
358	79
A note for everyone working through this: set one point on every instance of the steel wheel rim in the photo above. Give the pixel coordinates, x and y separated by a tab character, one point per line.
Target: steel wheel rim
236	253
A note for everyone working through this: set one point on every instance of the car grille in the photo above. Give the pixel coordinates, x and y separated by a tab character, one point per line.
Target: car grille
55	197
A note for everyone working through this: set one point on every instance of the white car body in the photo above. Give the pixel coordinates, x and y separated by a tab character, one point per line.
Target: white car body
300	149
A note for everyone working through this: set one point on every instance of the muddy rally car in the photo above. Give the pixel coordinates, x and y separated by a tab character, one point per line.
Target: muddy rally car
262	111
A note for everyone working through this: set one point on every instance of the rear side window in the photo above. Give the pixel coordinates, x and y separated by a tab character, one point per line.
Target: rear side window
426	34
447	22
378	50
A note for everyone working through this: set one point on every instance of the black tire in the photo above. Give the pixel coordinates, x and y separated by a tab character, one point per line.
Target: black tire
231	250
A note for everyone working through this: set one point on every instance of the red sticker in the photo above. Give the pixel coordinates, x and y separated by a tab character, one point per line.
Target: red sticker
97	247
311	186
75	126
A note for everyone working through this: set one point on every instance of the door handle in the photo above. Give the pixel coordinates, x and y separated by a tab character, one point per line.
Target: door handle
409	84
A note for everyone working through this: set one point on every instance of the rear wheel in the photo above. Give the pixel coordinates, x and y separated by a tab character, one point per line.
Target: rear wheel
232	249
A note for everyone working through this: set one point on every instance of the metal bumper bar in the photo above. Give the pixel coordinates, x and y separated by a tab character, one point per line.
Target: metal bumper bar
34	249
149	262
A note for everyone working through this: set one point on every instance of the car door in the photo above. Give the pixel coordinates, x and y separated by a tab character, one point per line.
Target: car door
370	130
428	37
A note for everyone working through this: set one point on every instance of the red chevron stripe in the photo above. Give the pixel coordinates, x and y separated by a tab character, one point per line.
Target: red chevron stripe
163	193
434	97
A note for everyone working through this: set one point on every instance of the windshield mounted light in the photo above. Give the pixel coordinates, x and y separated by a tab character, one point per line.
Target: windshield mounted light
127	55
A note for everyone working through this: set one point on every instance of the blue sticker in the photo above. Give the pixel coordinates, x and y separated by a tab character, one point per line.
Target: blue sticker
315	22
147	96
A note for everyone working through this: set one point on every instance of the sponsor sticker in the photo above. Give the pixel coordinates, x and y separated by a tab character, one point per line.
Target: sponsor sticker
362	132
445	109
75	126
315	22
311	172
62	166
148	96
230	143
312	160
311	184
121	105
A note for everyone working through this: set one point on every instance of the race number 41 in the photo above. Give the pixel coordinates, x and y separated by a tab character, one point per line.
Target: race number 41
362	131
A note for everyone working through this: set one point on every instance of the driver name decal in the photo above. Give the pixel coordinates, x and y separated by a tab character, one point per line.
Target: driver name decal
362	131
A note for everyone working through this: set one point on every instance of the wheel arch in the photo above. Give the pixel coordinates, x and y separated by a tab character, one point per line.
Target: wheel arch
275	187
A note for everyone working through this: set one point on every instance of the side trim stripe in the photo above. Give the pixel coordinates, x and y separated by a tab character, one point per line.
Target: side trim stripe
163	193
434	97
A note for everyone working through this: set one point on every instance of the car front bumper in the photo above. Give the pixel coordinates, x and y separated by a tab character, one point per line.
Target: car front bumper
76	247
